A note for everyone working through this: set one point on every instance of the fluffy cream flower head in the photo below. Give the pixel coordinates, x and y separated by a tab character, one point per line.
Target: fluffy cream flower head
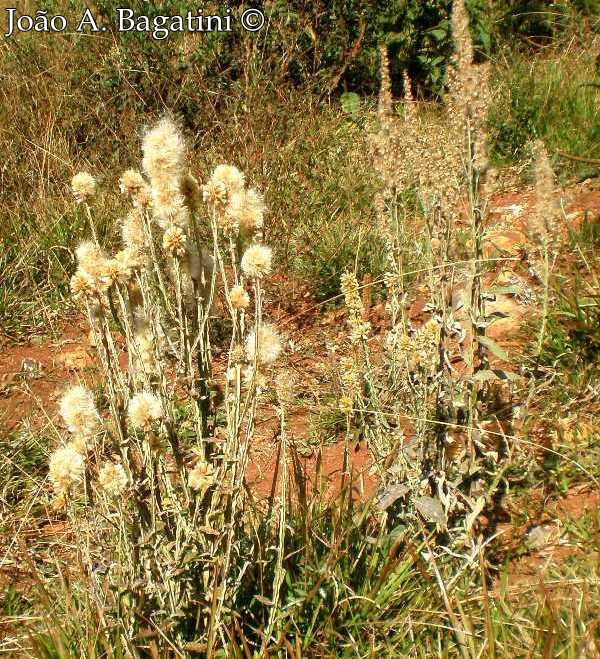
256	261
66	468
82	285
246	209
144	409
78	410
83	186
94	264
131	182
119	268
214	193
269	345
175	241
230	177
164	152
239	298
91	259
201	476
132	231
169	208
112	478
225	181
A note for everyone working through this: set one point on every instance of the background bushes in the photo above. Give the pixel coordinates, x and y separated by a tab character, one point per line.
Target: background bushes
269	102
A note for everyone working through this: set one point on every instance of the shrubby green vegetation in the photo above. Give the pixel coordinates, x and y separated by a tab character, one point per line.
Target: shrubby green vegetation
269	102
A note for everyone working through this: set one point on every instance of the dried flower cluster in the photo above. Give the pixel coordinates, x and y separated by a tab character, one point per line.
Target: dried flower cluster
359	328
83	186
351	384
66	469
264	345
256	261
144	410
167	460
417	350
112	478
67	464
427	151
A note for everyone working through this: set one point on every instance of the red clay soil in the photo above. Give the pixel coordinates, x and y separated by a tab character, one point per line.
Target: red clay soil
32	375
533	567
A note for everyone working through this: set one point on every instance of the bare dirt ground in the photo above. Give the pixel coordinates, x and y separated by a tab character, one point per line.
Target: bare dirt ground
34	372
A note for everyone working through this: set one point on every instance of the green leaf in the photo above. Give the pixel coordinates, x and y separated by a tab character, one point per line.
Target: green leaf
504	290
493	347
350	102
438	34
495	374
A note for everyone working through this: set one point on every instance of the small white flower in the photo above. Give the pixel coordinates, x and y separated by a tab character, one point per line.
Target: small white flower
112	478
239	297
83	186
144	409
66	468
78	410
256	261
269	345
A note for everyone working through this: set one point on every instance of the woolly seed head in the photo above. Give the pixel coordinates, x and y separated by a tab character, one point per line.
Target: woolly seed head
82	285
91	259
118	269
66	468
214	193
78	410
239	298
256	261
269	345
132	184
164	152
246	209
175	241
112	478
132	231
230	177
169	208
143	410
201	476
83	186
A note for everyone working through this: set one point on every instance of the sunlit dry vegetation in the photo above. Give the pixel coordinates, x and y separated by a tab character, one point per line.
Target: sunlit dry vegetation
321	280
